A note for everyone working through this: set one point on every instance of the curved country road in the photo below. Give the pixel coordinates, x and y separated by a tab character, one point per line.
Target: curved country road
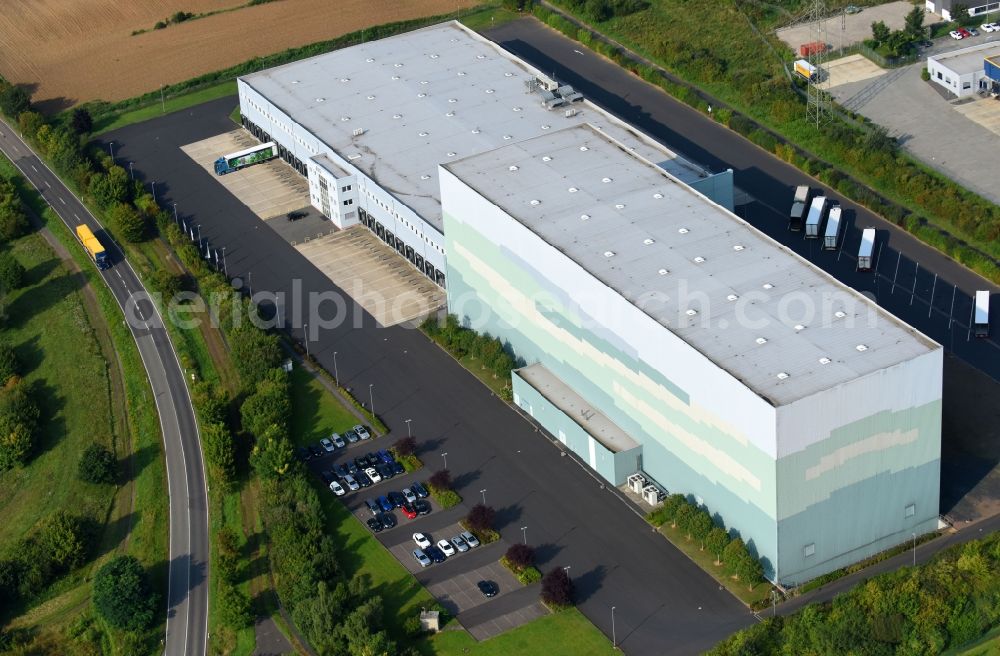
187	596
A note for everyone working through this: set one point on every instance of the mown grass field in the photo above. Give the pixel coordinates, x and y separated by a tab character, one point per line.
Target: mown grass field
88	403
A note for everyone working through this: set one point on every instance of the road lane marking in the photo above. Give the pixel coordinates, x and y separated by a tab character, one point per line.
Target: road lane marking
47	184
61	200
118	273
77	217
33	168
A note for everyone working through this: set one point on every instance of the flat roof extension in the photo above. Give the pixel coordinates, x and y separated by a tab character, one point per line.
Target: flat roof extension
968	60
654	241
426	97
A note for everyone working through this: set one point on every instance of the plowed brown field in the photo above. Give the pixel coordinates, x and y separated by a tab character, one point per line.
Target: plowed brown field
71	51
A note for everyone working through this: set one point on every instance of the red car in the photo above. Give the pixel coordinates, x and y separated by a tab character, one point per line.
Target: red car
964	32
409	511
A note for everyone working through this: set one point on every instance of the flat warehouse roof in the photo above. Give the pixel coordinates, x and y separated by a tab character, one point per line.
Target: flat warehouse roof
968	60
644	235
426	97
577	408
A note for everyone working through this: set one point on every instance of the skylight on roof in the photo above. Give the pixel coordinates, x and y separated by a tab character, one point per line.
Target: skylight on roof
320	99
425	177
620	206
648	241
546	158
535	201
699	259
508	74
767	285
398	65
461	74
369	60
691	312
738	247
422	134
824	360
584	217
451	154
450	114
605	180
572	190
516	109
545	127
453	100
683	231
507	137
512	167
370	97
584	149
761	340
732	297
345	79
609	253
489	91
663	272
295	81
839	314
799	327
434	56
862	347
397	116
782	375
421	95
657	195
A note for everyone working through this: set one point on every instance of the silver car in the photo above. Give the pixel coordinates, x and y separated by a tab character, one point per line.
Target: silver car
351	483
470	539
421	557
362	432
338	441
460	544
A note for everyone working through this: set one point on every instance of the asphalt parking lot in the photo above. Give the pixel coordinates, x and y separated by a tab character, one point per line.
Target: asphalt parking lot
847	29
454	582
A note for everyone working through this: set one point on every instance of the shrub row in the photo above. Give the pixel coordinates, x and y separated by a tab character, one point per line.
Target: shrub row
696	523
461	341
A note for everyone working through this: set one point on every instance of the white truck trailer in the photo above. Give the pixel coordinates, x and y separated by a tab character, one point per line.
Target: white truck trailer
815	218
832	234
981	318
865	252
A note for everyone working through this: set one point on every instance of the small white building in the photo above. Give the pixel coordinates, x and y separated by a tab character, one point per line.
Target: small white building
975	8
963	72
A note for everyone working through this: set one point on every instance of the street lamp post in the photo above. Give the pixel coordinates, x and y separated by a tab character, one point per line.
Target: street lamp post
524	534
225	269
566	569
111	147
336	376
176	220
198	228
163	104
250	283
408	432
614	636
371	397
914	549
130	174
305	336
483	492
444	456
152	187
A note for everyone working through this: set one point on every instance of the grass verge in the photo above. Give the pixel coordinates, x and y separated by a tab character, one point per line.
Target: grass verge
174	103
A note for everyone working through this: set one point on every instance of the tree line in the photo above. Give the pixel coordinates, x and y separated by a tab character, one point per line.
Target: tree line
942	605
461	341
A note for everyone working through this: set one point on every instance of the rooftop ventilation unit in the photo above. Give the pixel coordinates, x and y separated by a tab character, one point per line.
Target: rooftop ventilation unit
358	132
636	482
570	113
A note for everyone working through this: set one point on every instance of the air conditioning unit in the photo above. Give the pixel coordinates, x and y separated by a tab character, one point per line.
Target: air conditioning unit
358	132
652	495
570	113
636	482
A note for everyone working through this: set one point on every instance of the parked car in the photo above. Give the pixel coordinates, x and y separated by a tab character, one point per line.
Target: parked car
434	554
327	445
422	540
340	470
409	511
328	476
408	495
955	34
397	468
361	462
852	9
460	544
964	32
374	524
302	453
315	450
421	557
385	470
385	456
385	504
351	436
362	479
396	499
388	520
374	475
419	490
351	467
488	588
337	488
373	459
373	506
422	507
338	441
973	31
446	548
990	27
351	484
362	432
470	539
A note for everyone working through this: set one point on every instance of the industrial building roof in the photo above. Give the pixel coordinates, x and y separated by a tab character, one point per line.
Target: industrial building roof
968	60
657	242
574	406
426	97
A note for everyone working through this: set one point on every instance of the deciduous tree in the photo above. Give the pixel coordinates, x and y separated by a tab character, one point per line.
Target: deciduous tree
557	588
122	595
97	465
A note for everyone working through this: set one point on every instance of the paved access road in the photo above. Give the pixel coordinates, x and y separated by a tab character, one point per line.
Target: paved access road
664	603
917	283
187	596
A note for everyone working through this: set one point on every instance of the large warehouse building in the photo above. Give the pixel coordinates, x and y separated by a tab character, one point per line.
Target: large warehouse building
369	124
660	333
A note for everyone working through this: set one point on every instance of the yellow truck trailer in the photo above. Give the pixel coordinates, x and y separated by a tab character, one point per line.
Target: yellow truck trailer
93	246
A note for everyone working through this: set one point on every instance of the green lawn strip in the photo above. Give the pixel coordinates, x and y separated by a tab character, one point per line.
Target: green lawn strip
234	115
226	513
148	541
171	104
315	413
566	633
706	561
487	17
986	645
